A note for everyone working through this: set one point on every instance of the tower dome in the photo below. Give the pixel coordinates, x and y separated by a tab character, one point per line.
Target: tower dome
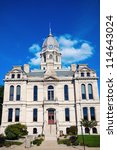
50	43
50	55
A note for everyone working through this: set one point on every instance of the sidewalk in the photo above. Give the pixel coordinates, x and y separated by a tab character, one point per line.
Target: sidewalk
48	145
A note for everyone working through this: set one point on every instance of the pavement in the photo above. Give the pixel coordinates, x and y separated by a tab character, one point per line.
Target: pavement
47	145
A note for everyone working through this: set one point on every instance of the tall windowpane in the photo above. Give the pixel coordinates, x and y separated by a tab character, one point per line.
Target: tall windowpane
35	93
10	114
13	76
44	57
18	75
34	114
83	91
11	93
67	116
50	92
18	91
88	74
82	74
66	97
90	91
17	114
85	113
92	112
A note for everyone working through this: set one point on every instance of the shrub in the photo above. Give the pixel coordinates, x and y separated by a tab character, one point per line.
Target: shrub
72	130
64	141
37	141
2	140
74	140
67	142
15	131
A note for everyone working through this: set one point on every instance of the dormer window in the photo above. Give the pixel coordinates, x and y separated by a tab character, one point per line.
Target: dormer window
13	76
18	76
82	74
44	58
50	57
88	74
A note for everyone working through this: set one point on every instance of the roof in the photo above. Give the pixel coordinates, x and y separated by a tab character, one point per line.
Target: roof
59	73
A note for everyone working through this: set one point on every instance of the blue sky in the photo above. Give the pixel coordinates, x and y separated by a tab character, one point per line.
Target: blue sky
24	24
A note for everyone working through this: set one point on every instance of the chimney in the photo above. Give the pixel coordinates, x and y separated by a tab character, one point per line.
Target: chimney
26	68
73	67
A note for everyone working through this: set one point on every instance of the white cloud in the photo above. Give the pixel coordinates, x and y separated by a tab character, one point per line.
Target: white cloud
73	50
66	41
34	48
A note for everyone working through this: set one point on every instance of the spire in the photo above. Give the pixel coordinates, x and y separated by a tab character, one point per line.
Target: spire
50	32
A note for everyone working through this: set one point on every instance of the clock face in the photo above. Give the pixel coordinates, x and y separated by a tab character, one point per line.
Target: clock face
50	46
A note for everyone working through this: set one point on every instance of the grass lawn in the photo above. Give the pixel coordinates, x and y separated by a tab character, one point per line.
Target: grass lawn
90	140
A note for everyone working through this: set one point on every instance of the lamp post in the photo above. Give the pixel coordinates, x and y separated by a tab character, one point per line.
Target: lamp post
82	128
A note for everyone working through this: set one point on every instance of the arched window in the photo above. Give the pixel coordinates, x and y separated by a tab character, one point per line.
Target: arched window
35	114
82	74
86	130
18	75
35	94
11	93
18	92
50	92
92	113
56	58
90	91
67	116
13	76
85	113
10	114
94	130
83	91
44	57
34	130
66	97
50	56
17	114
88	74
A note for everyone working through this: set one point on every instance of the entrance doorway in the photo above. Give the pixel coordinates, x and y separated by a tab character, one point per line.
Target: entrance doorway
51	116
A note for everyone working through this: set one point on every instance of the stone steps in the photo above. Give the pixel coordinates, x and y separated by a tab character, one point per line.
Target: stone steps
50	132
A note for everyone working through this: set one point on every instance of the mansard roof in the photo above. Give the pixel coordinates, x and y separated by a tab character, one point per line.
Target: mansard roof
59	73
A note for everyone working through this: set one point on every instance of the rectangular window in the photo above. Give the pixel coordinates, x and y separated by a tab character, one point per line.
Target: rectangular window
85	113
92	112
35	93
17	114
34	114
67	116
10	114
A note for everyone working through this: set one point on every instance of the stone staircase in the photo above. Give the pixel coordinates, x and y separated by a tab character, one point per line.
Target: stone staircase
50	132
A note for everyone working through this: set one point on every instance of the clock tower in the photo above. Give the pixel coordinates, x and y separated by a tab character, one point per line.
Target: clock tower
50	55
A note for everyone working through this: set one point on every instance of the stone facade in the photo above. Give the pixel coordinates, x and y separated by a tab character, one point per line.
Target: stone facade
39	99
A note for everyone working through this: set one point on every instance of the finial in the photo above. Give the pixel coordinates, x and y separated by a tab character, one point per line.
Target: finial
50	33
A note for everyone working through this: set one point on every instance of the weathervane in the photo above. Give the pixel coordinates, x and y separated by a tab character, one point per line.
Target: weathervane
50	33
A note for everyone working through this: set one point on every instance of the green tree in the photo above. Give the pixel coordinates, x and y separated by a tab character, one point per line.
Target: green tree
88	124
1	100
15	131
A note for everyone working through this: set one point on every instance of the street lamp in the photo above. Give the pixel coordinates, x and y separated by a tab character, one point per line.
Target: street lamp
82	128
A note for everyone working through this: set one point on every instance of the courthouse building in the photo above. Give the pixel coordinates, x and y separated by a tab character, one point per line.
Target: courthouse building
52	99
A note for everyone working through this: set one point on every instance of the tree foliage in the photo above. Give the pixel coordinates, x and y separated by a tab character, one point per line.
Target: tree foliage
1	100
15	131
88	124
